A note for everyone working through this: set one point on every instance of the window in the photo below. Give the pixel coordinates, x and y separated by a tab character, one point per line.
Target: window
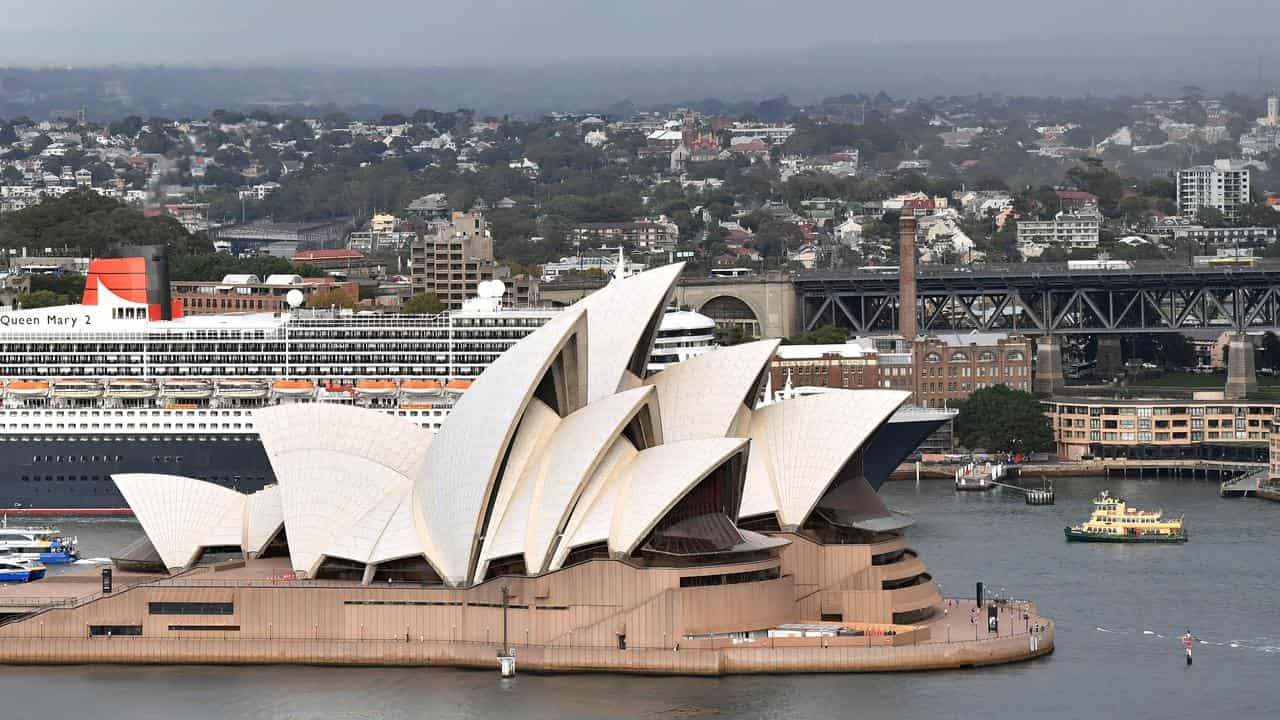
105	630
190	608
212	628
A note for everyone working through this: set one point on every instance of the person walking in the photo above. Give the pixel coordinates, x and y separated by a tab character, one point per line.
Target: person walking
1187	641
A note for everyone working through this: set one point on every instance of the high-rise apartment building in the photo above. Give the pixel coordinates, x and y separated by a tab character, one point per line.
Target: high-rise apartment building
454	260
1223	186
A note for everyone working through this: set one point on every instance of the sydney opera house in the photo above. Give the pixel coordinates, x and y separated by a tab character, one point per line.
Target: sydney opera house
595	517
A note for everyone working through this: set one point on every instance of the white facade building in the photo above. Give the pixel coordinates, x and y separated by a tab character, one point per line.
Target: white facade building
1073	230
1223	186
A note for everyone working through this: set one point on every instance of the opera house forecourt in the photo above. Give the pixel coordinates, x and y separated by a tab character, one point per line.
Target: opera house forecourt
570	509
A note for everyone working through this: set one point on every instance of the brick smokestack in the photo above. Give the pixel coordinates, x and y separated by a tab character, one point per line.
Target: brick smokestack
907	275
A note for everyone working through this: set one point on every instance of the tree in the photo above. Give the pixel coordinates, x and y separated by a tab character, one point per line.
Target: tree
821	335
1210	217
89	224
1270	350
1000	418
331	298
42	298
425	303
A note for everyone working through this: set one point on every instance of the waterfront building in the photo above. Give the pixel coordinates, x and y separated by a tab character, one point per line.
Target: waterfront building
1207	427
1223	186
603	519
849	366
948	368
454	260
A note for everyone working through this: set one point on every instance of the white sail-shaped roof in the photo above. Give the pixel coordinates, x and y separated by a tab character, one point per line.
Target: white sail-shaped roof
531	439
656	480
342	472
181	515
548	489
624	317
264	515
452	492
701	396
798	446
592	516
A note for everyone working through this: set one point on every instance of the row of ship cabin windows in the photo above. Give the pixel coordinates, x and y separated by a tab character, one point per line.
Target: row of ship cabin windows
72	458
125	426
133	413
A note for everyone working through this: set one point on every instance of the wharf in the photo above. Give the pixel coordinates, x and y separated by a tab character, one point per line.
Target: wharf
1192	469
59	632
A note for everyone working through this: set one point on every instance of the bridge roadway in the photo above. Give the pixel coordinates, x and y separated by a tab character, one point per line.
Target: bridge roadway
1032	298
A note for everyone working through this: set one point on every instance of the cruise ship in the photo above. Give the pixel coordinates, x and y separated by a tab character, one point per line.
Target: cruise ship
124	383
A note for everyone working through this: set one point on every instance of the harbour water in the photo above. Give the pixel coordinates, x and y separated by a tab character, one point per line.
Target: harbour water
1120	610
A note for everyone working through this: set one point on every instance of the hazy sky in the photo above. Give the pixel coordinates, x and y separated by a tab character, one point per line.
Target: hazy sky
503	32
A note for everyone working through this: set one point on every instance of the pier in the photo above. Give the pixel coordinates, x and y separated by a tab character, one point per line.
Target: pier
1033	496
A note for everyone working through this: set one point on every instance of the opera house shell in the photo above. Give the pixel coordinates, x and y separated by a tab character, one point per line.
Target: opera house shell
568	498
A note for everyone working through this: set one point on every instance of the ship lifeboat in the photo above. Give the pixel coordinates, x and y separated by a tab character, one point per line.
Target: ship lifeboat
131	388
27	388
294	388
419	388
242	389
376	388
457	386
76	389
186	388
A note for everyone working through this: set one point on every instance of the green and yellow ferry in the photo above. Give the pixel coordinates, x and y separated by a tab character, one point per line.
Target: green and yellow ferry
1114	521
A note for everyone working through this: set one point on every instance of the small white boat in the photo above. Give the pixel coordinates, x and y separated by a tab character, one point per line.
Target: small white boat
20	569
46	544
131	389
242	389
186	388
77	389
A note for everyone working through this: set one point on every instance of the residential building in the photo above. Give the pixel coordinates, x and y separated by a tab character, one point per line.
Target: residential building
1223	186
1207	427
434	206
777	134
1070	230
383	223
454	260
1207	238
659	235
